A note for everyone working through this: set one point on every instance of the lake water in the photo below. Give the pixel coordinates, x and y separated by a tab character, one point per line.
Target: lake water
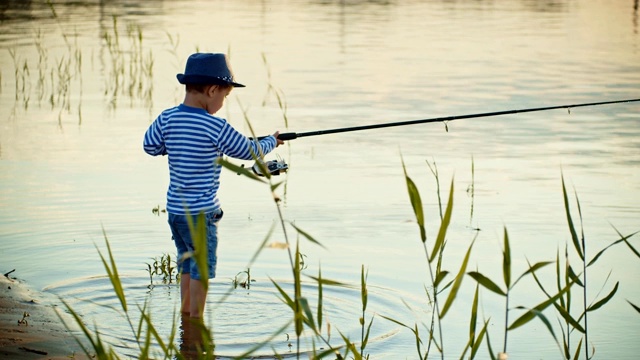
81	81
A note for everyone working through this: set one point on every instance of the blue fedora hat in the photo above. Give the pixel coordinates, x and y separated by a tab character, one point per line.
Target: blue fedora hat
208	69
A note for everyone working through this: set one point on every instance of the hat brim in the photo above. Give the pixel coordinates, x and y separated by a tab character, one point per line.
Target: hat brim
204	80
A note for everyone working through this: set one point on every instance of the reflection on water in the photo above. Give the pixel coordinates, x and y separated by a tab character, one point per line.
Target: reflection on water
81	81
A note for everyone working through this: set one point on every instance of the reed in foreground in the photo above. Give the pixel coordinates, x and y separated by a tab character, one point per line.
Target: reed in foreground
442	294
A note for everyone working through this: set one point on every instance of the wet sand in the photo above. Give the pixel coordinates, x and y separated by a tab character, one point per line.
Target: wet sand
29	326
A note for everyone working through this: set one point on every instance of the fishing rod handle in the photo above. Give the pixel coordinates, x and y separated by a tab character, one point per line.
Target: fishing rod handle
288	136
283	136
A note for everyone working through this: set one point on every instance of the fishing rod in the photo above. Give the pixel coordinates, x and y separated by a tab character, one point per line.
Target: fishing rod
293	135
277	166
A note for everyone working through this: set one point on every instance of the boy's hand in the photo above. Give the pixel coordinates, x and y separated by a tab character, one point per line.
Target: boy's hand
278	141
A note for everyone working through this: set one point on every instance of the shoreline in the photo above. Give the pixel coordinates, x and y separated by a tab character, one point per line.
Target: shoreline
30	327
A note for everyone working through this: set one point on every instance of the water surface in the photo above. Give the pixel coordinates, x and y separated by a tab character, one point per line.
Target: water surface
75	105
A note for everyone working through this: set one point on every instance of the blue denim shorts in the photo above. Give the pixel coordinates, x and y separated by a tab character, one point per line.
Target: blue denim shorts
184	243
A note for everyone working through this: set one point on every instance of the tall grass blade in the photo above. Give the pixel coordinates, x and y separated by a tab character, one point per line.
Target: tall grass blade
604	300
572	275
306	235
576	356
444	226
632	248
363	288
416	203
595	258
330	282
285	297
486	283
83	328
625	239
492	355
474	317
574	235
458	280
529	315
330	351
112	272
434	171
138	332
320	294
350	347
414	330
297	310
480	338
636	307
564	313
304	304
546	323
506	260
364	298
558	276
365	341
440	276
532	269
239	170
152	331
144	350
566	352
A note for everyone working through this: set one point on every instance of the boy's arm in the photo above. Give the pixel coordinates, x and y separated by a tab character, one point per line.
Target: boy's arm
234	144
153	143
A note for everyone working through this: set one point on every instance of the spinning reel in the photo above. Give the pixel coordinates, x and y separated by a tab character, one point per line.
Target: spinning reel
274	167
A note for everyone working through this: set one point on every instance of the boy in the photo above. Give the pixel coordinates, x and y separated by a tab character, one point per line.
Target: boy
193	139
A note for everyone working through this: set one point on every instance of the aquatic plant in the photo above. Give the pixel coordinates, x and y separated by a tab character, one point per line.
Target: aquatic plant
130	71
243	279
435	272
304	317
441	292
364	298
163	267
566	275
143	331
57	80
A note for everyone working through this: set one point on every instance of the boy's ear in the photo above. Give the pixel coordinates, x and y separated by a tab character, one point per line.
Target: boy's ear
211	90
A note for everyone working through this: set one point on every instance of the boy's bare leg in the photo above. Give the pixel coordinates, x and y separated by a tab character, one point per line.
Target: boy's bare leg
185	297
198	298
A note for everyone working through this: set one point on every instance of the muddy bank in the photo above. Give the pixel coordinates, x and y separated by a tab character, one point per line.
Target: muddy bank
29	326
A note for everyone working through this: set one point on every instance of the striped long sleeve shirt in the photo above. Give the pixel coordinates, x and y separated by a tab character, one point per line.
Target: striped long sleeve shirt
193	140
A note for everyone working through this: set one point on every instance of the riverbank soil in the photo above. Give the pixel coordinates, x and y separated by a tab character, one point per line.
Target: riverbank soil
29	326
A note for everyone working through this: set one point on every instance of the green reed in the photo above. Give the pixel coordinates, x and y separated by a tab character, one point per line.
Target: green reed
441	292
163	267
436	274
566	275
303	316
364	298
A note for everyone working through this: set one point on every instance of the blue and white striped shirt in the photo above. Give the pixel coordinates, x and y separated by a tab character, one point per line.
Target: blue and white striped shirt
194	139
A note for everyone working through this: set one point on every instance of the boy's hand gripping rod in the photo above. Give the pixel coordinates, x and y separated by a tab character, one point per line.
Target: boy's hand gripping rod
277	166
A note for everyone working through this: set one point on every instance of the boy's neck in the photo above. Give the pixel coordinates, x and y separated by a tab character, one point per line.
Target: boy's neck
195	101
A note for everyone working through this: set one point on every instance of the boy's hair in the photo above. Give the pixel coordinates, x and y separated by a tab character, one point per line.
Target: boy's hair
201	88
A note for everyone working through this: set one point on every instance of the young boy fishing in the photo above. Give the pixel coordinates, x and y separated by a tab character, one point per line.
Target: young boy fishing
193	139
